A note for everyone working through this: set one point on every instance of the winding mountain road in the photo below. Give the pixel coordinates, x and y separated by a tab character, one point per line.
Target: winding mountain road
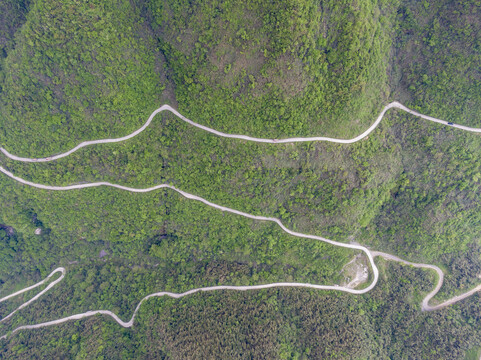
392	105
176	296
425	303
51	285
370	254
222	208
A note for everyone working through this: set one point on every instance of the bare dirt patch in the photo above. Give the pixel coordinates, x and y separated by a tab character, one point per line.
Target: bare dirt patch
355	272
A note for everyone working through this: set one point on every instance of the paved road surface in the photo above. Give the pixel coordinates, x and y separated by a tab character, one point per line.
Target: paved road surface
425	304
394	104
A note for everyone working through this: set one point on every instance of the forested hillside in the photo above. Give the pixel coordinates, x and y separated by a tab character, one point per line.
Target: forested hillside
81	70
284	68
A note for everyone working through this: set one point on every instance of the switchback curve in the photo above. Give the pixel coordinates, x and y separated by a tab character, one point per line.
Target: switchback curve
425	305
130	323
213	288
127	324
222	208
51	285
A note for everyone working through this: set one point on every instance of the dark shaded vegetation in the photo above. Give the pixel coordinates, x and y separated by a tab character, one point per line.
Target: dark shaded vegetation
437	53
285	324
12	17
70	72
283	68
77	71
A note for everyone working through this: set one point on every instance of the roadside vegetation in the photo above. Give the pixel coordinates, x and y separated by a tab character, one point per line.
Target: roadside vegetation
72	72
283	68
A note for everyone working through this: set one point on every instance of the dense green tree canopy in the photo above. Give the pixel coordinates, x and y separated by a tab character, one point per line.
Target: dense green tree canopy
80	70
